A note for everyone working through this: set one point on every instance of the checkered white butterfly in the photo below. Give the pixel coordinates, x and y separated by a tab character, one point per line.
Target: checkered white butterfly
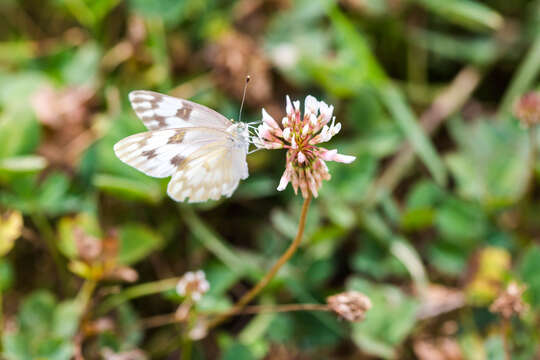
203	151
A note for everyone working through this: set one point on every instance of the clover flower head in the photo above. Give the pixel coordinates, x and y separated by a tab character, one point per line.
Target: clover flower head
305	161
193	284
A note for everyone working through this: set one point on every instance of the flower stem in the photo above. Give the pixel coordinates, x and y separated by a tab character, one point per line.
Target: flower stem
1	322
136	291
271	273
47	233
167	319
532	159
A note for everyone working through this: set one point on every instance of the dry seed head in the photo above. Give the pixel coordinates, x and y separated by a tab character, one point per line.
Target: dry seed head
350	305
510	301
527	109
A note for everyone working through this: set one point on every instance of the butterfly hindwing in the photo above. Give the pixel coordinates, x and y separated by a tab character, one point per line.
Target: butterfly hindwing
158	111
209	173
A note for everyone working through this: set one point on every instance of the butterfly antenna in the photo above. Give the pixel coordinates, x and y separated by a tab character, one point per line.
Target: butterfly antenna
243	98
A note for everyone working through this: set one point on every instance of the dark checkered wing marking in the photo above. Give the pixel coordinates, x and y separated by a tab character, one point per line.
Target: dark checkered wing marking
158	111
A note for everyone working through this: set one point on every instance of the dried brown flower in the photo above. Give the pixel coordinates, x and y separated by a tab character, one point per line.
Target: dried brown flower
510	301
88	247
134	354
350	305
444	348
232	57
527	109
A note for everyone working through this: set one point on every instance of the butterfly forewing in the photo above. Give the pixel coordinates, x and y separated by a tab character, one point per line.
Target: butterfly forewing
158	111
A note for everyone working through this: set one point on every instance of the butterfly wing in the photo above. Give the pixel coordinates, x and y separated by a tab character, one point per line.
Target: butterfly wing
210	172
205	163
158	111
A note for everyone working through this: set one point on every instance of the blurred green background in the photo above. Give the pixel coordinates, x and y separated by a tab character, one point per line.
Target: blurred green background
435	217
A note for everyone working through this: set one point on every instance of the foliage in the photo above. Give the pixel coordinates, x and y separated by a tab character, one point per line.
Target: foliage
436	216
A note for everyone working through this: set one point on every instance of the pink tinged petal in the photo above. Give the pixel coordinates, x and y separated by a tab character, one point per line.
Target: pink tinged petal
287	134
303	184
311	105
285	122
347	159
326	112
315	140
314	120
289	107
301	157
305	130
294	181
265	132
269	120
312	183
328	155
335	129
293	143
296	105
283	181
273	145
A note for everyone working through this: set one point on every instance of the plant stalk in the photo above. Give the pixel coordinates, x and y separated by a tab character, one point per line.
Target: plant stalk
167	319
246	298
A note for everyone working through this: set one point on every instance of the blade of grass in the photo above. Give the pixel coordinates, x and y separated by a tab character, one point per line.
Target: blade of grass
211	241
471	14
525	76
459	90
402	113
398	246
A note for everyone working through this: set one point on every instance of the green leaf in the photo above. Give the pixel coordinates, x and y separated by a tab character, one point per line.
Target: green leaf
66	227
490	165
28	164
472	14
11	226
136	243
6	275
172	12
19	133
130	189
66	318
479	51
529	269
238	352
83	68
388	322
36	314
405	118
524	77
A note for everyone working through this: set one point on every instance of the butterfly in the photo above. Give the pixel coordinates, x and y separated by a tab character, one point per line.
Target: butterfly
202	151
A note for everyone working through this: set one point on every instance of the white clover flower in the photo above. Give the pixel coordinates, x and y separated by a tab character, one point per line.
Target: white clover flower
305	164
193	284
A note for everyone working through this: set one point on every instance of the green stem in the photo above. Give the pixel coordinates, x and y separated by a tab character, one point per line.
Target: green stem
525	76
187	345
1	323
244	300
533	155
85	293
136	291
48	235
